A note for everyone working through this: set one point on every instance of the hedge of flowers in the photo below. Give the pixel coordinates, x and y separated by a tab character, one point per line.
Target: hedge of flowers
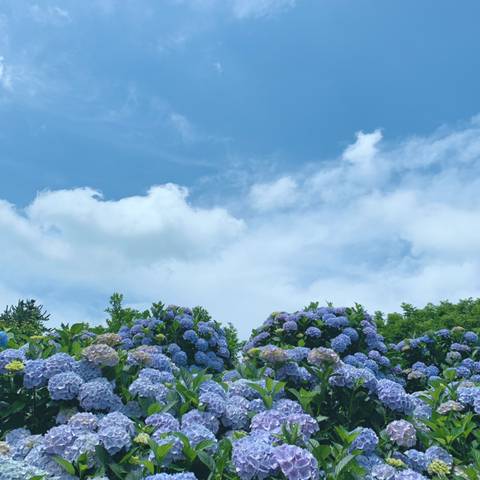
317	394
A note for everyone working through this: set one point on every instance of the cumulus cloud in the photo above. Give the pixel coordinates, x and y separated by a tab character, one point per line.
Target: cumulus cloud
407	228
279	194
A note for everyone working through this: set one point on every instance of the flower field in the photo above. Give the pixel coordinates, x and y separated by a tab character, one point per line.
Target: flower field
315	394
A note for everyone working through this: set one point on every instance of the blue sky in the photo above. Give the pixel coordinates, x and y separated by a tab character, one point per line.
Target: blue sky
251	111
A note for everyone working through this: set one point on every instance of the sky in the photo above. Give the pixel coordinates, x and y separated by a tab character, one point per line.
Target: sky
249	156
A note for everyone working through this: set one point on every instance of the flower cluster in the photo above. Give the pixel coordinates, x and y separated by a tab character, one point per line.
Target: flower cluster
317	394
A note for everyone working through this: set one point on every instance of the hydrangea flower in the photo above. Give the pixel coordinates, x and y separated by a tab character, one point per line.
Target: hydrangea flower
402	433
34	374
236	413
196	433
366	440
117	419
296	463
10	355
253	457
196	417
96	396
58	363
57	439
101	355
163	422
64	386
340	343
83	422
393	396
114	438
172	476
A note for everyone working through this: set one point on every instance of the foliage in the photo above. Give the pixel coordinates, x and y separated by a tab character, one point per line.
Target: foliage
120	315
26	318
415	321
317	393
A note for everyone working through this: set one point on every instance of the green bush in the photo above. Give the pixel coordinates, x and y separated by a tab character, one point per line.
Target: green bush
413	321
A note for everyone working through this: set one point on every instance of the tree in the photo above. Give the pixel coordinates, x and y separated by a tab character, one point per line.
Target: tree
414	321
25	318
120	315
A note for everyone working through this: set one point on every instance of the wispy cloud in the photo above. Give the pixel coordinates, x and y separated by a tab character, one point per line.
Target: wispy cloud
50	15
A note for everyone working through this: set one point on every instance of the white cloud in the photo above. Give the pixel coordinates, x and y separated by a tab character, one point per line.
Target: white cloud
5	75
183	126
409	230
272	196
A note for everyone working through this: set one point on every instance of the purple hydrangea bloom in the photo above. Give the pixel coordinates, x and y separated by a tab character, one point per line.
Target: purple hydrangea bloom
269	421
236	412
296	463
402	433
307	424
253	457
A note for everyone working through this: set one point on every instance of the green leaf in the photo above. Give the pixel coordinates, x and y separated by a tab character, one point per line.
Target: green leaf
207	460
102	455
154	408
66	465
343	464
118	470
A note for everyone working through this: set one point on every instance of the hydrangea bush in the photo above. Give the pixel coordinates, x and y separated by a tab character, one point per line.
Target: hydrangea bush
316	394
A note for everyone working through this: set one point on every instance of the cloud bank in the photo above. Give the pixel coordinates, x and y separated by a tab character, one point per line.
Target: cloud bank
384	222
